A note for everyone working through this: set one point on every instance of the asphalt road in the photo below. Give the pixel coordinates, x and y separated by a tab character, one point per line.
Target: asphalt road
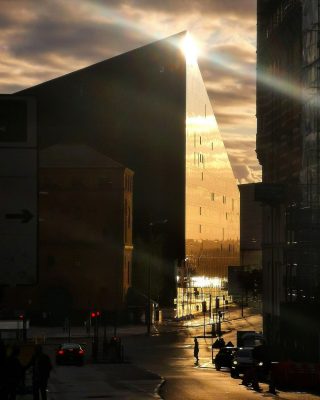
168	353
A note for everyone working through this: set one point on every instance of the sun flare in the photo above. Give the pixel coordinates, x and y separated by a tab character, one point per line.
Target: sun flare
190	49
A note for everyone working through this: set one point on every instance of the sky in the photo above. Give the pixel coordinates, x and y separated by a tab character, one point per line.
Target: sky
44	39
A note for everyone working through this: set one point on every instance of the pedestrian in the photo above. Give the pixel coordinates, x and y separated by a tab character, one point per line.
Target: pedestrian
3	375
14	373
41	368
196	351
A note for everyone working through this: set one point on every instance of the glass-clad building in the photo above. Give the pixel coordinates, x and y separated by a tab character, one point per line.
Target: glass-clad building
212	204
149	110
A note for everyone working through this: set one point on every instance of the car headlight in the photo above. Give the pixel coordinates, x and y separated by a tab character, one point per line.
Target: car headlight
235	362
260	364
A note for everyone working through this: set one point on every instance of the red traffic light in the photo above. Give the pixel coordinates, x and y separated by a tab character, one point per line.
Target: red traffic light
95	314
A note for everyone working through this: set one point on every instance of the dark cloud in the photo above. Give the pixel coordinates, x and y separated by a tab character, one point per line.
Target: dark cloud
244	8
68	33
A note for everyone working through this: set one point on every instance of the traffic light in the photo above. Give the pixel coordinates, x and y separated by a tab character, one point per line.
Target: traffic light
95	314
204	306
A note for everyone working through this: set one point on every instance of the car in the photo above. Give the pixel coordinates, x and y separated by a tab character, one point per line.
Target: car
70	353
243	360
224	357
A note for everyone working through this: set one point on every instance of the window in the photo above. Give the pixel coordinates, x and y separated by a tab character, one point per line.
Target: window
212	196
224	199
200	228
201	175
200	139
200	210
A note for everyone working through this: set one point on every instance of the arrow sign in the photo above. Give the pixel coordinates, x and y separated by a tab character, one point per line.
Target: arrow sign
25	216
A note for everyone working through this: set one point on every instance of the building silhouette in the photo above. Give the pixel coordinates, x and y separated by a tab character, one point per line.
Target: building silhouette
287	148
148	109
85	237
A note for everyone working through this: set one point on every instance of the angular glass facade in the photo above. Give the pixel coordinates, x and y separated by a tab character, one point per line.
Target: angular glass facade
212	203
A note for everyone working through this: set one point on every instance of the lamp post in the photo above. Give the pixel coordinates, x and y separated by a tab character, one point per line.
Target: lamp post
148	313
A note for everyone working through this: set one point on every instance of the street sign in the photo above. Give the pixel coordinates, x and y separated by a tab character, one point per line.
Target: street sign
18	192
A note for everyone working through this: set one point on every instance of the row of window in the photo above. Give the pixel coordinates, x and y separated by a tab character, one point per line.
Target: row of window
198	158
200	141
224	200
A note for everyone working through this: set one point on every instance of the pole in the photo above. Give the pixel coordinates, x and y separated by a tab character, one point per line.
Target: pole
149	301
242	304
204	323
69	331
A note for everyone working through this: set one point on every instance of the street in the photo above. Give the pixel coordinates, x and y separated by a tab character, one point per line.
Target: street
163	359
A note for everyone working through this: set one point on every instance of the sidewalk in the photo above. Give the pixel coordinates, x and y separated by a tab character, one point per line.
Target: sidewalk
94	380
128	382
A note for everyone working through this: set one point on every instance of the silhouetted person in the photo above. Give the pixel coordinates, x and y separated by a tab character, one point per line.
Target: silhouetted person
3	374
41	368
14	373
196	350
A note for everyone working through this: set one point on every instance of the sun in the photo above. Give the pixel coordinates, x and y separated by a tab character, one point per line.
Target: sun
189	49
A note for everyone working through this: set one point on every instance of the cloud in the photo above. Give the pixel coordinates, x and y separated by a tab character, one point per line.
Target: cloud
237	8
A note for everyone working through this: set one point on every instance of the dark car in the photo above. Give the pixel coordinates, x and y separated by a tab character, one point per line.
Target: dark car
70	353
224	357
243	360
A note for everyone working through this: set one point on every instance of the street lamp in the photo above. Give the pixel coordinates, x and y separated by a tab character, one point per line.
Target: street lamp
151	225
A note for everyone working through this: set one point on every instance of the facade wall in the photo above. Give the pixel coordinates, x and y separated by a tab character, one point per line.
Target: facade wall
250	228
287	112
279	143
85	243
212	196
85	235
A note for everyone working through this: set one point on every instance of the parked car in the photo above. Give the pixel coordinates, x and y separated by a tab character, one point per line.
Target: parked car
224	357
243	360
70	353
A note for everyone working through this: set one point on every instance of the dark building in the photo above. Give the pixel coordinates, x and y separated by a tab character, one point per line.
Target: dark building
149	110
85	236
245	281
250	228
287	148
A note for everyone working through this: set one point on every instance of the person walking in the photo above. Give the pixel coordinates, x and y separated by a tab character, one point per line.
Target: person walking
196	351
14	373
41	368
3	371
